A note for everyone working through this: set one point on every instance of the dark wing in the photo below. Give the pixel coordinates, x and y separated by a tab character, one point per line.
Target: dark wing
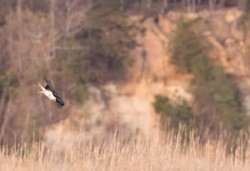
51	88
49	85
58	99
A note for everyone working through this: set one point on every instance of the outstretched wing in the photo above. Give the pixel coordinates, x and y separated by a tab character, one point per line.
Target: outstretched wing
51	88
49	85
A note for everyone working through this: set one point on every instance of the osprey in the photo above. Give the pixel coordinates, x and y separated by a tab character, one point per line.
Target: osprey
50	92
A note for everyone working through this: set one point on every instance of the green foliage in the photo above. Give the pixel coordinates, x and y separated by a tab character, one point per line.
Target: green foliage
177	113
216	95
5	84
217	99
110	37
106	41
100	52
185	47
246	7
81	93
8	79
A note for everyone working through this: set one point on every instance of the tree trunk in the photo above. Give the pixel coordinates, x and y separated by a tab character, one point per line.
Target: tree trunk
211	4
149	3
19	21
52	29
165	6
193	5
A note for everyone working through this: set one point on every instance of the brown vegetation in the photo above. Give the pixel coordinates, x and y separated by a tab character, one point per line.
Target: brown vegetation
87	49
138	153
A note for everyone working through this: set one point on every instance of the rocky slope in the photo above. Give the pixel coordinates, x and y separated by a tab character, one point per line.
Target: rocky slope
129	105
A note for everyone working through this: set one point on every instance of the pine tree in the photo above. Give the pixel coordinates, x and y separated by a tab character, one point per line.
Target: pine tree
180	112
106	40
110	38
217	99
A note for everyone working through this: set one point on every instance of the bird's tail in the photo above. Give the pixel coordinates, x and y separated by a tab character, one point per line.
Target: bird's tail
59	101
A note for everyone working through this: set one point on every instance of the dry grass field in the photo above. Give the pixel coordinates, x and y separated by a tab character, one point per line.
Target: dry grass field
137	154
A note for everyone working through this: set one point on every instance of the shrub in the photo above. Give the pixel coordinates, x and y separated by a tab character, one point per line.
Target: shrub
217	99
178	113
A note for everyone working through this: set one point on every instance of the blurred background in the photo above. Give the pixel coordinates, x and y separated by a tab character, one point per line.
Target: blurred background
137	66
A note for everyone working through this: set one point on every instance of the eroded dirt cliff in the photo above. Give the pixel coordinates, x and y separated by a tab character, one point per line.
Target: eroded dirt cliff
129	105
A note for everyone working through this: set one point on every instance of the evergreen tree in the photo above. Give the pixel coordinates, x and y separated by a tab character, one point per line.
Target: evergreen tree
178	113
106	41
217	99
110	38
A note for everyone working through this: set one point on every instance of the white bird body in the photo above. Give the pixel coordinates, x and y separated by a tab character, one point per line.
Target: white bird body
50	92
47	93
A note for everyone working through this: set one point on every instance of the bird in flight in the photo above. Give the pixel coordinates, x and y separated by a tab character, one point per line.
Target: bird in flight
50	92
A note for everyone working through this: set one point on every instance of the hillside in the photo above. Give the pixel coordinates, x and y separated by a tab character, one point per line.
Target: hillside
147	85
111	60
129	105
